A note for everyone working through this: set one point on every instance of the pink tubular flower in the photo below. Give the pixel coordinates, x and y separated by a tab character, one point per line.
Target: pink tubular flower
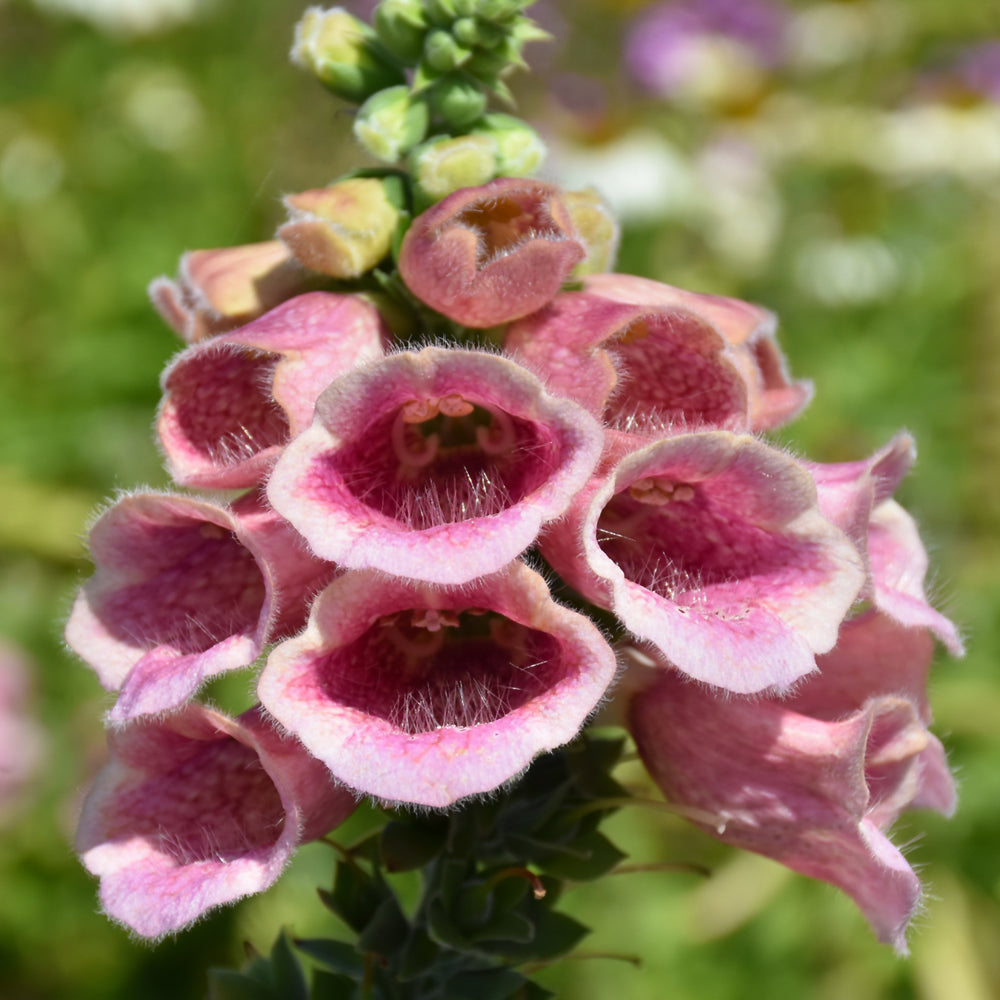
185	590
218	290
196	810
425	694
438	465
487	255
772	398
815	780
231	404
711	547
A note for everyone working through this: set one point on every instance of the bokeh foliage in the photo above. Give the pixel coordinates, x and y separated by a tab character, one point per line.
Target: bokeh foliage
117	153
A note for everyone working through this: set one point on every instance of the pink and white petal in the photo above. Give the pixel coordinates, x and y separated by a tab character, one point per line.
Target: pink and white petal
198	810
780	784
184	590
368	488
232	403
899	567
774	399
487	255
425	694
717	554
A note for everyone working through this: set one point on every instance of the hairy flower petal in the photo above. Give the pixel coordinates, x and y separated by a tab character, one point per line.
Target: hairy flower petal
815	780
487	255
232	403
438	465
714	550
425	694
185	589
197	810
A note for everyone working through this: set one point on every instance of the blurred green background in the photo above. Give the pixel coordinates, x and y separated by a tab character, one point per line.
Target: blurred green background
855	190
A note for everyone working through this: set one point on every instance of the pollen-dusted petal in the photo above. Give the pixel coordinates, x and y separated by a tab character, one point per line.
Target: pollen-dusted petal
804	791
716	553
185	589
487	255
388	478
232	403
639	367
425	694
899	567
197	810
773	398
218	290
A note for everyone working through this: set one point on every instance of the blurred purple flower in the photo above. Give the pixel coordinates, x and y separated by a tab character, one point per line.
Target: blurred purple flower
661	45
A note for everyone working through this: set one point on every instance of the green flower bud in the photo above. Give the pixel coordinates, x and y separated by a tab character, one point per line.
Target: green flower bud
401	26
390	123
441	12
457	100
343	53
443	53
443	165
499	10
465	31
520	151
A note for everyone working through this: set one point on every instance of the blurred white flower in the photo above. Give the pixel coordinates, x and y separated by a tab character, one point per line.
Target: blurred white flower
128	17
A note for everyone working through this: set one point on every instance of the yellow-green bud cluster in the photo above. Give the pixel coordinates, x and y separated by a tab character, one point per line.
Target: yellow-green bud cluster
423	74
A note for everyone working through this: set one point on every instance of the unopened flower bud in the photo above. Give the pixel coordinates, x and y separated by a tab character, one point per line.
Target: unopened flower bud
344	53
401	26
390	123
443	53
520	151
499	10
442	165
223	288
342	230
598	228
457	100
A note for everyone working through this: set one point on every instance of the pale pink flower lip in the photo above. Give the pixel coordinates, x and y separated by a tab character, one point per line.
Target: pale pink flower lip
716	553
185	589
422	694
437	465
196	810
231	403
487	255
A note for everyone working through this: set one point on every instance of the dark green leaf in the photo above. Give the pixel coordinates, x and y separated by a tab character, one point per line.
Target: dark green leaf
594	856
336	956
406	846
289	978
386	931
228	984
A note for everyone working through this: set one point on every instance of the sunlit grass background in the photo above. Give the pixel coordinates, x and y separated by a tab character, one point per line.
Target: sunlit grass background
120	149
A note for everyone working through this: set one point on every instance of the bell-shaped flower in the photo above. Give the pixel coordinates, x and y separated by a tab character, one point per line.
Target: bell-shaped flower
663	346
438	465
231	404
487	255
815	780
427	694
641	365
186	589
218	290
711	547
196	810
